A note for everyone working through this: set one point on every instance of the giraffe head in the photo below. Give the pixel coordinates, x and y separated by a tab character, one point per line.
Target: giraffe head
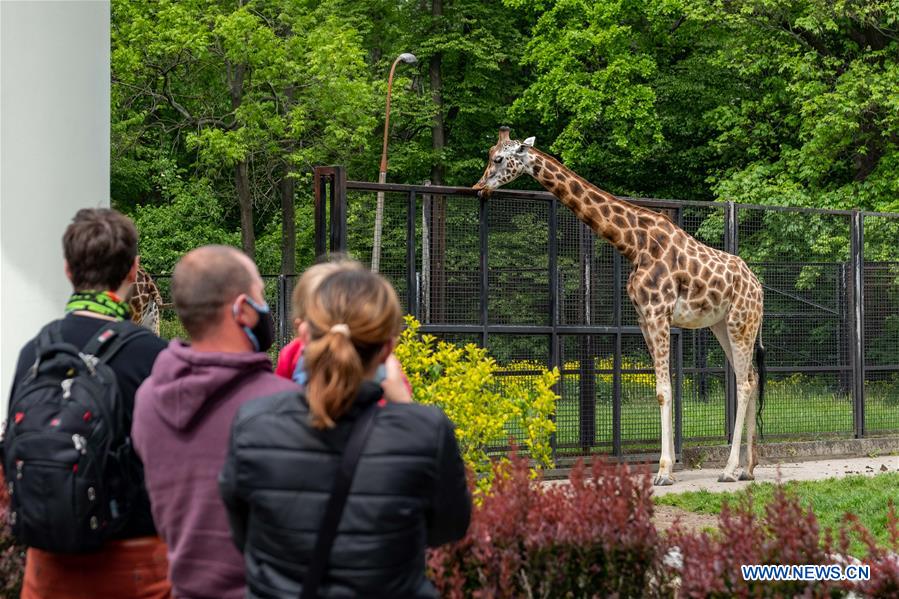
507	161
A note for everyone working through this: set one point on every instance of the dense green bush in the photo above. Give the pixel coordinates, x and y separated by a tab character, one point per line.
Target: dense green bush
487	409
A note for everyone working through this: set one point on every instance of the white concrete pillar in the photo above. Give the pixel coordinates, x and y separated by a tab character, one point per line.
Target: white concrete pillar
54	154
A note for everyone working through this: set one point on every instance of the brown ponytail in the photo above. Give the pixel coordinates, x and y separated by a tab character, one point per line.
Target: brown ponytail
351	315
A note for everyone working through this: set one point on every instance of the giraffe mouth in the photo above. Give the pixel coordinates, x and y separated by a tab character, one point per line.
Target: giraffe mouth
483	191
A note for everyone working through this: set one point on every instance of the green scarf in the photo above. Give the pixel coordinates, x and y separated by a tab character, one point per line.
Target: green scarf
99	302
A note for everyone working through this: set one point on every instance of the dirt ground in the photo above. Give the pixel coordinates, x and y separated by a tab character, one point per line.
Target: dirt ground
664	517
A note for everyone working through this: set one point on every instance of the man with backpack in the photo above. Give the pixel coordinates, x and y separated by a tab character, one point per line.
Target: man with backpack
77	497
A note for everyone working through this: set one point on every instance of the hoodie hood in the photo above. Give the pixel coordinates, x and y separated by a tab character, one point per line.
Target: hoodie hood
185	382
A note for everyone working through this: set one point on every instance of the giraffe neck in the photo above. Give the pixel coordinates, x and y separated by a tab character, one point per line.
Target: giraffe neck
609	217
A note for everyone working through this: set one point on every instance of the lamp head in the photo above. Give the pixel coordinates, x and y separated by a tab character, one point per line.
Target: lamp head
408	58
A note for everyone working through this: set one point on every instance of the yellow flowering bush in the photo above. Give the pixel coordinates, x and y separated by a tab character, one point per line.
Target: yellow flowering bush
486	408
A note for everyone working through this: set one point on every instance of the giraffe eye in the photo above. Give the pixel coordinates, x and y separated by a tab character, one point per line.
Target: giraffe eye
498	159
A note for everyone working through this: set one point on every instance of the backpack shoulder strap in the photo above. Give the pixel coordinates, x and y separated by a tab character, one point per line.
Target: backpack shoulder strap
107	342
50	334
48	340
328	531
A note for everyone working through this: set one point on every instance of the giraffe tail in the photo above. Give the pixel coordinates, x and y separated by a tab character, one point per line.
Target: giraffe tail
760	363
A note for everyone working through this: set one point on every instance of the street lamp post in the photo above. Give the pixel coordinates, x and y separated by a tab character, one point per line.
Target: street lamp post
382	176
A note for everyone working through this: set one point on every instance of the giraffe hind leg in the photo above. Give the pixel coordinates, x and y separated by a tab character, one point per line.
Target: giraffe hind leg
741	345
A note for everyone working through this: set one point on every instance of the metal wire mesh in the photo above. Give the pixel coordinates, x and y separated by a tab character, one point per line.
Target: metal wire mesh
565	304
584	410
881	323
518	250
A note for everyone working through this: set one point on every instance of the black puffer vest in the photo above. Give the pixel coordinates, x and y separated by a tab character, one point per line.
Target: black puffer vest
409	492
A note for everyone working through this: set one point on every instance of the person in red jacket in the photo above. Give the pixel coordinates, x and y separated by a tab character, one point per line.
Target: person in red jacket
395	384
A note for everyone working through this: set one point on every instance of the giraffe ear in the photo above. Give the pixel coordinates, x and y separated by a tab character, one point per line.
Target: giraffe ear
523	147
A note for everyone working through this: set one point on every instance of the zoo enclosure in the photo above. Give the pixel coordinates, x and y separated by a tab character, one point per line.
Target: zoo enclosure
520	275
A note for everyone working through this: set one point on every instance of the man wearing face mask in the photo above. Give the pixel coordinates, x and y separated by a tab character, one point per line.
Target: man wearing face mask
184	411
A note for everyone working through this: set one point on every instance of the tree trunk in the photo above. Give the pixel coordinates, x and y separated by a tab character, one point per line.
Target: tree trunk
288	225
438	215
236	75
438	134
245	199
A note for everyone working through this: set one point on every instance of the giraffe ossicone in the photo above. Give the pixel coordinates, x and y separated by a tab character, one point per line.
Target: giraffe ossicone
675	280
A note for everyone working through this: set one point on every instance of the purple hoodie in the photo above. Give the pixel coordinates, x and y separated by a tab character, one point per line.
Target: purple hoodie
182	424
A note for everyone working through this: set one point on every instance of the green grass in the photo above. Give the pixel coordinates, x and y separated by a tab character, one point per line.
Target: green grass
796	407
797	411
867	497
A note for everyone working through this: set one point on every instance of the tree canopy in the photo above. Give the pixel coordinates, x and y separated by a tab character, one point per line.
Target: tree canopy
221	108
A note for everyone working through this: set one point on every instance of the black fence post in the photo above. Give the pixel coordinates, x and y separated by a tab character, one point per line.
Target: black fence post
411	246
857	319
678	375
587	370
485	263
730	381
284	319
844	338
616	358
555	358
338	210
320	178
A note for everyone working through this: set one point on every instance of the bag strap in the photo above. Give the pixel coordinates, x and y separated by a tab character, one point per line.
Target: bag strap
47	341
106	343
328	531
50	334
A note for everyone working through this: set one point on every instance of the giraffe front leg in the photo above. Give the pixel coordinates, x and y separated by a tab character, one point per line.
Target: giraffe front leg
665	476
657	338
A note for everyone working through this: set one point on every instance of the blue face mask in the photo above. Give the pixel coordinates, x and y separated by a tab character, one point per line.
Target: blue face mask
381	374
299	374
263	334
301	378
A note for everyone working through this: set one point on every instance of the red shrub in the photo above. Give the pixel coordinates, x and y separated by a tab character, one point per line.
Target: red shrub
12	557
786	534
884	562
593	537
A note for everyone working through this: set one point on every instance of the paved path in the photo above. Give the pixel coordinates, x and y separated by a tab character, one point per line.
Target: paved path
707	478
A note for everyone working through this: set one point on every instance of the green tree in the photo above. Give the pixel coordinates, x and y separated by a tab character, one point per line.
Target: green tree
254	93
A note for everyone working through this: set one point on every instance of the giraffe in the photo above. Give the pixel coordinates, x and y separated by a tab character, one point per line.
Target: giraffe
145	301
675	281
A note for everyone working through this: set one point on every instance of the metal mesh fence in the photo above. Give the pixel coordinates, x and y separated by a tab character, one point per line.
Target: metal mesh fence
554	294
881	323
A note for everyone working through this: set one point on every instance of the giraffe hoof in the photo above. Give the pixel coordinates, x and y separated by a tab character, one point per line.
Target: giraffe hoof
747	476
663	480
727	478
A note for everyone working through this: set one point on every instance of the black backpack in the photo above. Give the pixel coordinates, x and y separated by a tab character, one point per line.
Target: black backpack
71	473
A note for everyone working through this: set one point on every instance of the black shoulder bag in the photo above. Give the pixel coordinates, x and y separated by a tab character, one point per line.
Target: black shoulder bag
328	531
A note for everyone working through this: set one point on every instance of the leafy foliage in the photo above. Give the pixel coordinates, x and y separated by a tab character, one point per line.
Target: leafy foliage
486	408
12	556
591	538
595	537
756	101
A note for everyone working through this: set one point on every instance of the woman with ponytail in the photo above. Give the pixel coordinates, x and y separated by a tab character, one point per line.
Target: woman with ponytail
396	466
291	364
